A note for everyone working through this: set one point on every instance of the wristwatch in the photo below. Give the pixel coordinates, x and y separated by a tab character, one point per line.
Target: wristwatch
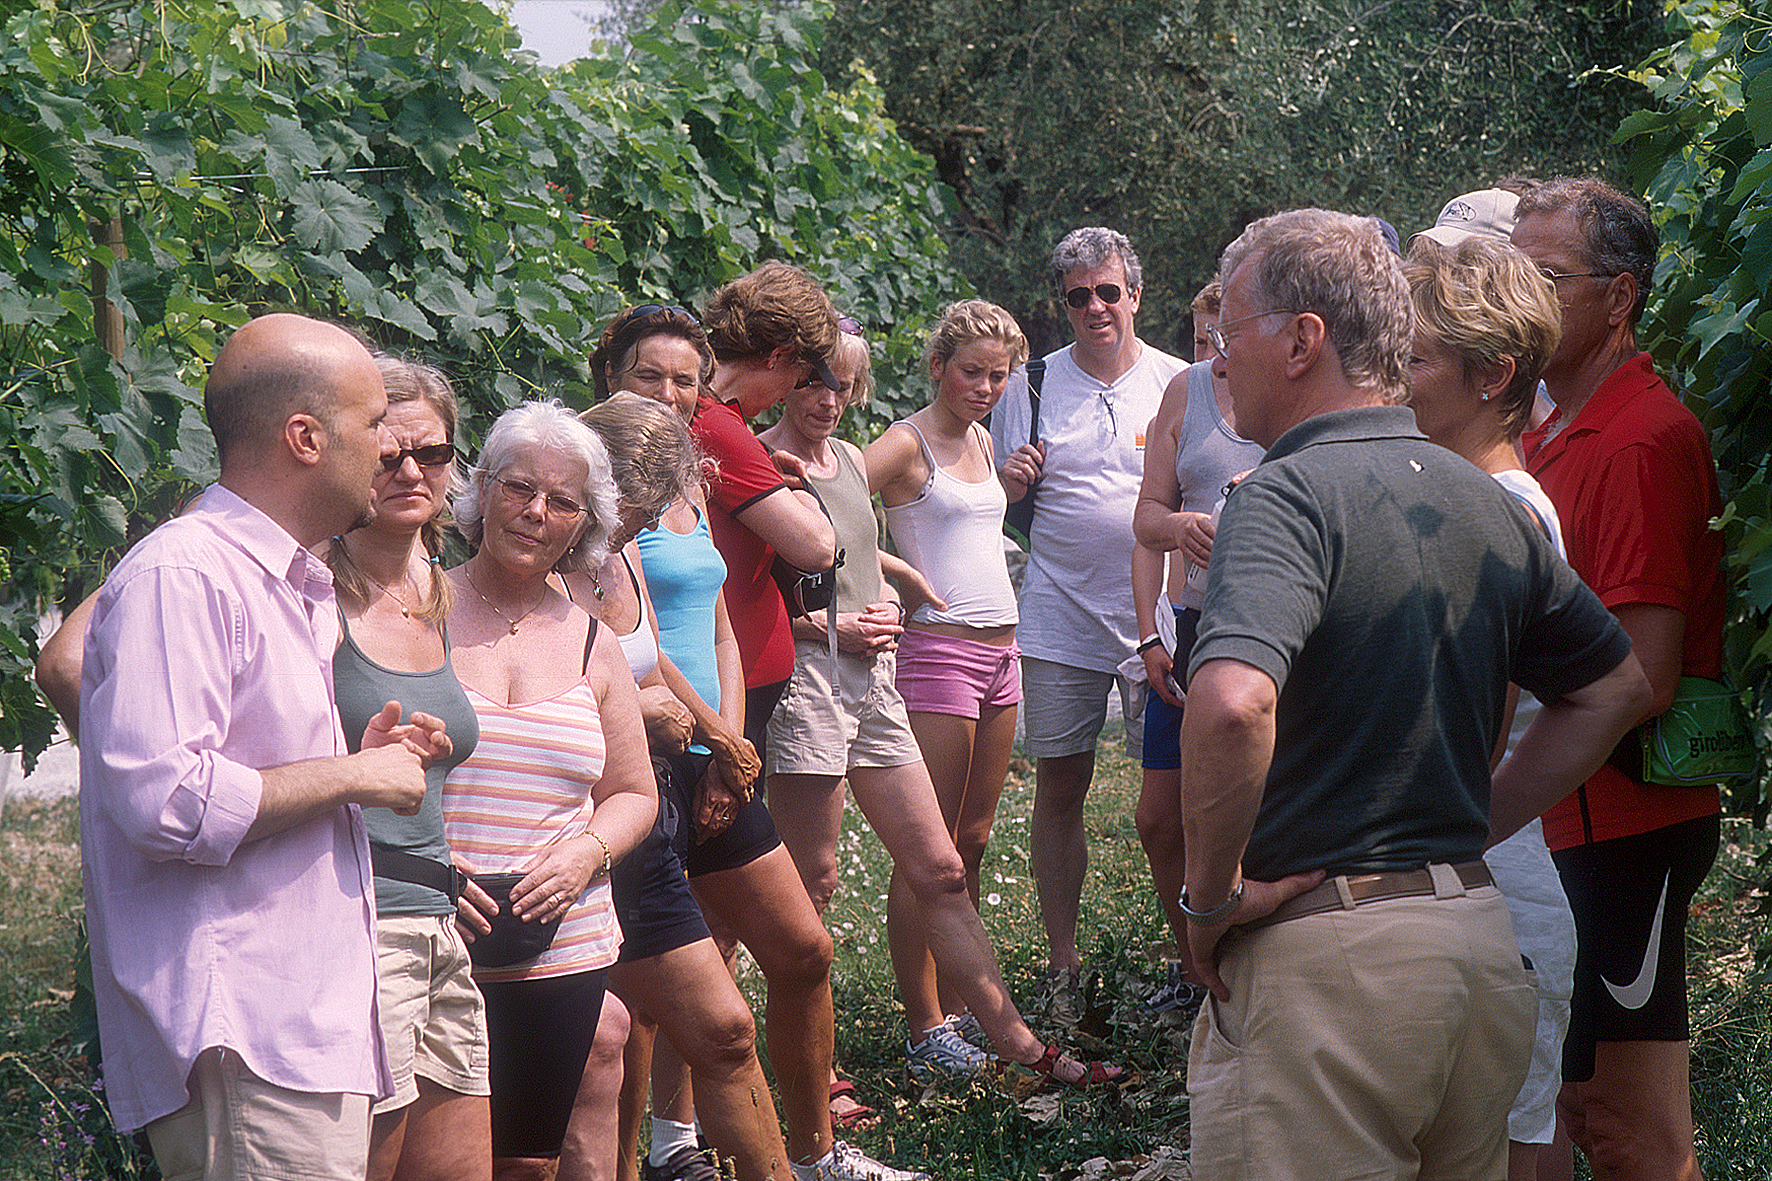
1219	913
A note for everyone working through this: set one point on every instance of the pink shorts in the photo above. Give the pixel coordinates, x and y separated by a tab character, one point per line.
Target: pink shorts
944	675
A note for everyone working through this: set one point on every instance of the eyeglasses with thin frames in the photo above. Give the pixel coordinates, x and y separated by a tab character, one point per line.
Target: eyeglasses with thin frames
522	494
1219	340
1553	276
430	455
1108	293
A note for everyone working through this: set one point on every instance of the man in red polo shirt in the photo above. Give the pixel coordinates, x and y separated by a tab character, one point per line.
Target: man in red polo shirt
1630	472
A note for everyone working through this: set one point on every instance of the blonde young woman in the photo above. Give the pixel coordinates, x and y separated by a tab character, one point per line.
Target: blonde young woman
958	664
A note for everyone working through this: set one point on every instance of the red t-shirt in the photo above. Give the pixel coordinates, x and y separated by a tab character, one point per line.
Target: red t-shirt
744	475
1635	486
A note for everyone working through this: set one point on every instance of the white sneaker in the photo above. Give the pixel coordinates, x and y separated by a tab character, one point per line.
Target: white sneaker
967	1026
944	1053
845	1162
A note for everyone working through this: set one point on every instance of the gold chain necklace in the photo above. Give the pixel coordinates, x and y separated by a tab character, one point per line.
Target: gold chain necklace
405	610
511	623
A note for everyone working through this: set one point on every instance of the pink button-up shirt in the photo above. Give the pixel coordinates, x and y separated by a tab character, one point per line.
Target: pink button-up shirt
209	656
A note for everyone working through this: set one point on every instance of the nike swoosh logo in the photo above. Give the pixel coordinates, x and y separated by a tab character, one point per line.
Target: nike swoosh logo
1636	994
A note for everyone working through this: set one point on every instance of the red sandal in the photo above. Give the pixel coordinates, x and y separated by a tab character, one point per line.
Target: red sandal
857	1115
1095	1074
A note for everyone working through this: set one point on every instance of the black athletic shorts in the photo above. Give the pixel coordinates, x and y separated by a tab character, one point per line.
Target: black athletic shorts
652	898
538	1036
752	832
1630	896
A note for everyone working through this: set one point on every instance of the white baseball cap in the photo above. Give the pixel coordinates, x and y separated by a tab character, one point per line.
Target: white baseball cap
1487	213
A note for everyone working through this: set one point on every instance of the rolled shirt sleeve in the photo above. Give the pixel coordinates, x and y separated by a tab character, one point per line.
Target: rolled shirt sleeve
166	649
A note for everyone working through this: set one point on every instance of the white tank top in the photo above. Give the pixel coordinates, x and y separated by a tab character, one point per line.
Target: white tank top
639	646
953	534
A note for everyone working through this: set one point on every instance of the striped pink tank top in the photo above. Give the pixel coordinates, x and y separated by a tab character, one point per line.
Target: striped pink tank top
528	784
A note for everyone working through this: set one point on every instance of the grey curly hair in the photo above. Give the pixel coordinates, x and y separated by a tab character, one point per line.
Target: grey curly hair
1089	247
545	426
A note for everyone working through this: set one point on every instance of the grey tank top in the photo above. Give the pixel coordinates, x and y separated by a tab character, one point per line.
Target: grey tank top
845	498
363	687
1209	454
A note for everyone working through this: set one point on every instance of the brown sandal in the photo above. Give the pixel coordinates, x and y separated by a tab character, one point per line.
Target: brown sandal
1095	1074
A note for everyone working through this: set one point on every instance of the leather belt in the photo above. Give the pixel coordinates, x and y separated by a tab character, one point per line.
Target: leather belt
1348	891
397	865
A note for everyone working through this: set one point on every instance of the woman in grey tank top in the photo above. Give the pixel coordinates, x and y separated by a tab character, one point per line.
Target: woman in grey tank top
394	647
842	716
1192	452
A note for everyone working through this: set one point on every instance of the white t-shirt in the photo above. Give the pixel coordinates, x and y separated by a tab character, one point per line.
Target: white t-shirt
1075	608
1527	489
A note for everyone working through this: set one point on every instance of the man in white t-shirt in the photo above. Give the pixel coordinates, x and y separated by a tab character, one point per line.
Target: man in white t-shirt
1077	623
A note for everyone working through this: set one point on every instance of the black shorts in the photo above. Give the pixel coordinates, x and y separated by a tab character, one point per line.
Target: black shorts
1630	897
538	1036
652	898
752	832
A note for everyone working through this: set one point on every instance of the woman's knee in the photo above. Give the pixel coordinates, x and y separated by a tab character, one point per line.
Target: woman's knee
796	957
939	878
970	843
723	1041
1158	819
821	882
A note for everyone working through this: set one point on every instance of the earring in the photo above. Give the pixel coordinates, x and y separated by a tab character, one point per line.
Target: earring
1485	397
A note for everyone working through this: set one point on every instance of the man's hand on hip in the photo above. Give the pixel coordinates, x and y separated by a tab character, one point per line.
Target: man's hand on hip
1260	899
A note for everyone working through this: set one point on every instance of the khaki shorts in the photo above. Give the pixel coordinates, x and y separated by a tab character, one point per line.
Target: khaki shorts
813	731
240	1128
432	1017
1384	1041
1064	707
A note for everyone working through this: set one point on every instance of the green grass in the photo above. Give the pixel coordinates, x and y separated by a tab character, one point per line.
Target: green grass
992	1129
51	1123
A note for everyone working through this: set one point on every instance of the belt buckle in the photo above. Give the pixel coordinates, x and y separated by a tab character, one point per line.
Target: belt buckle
457	881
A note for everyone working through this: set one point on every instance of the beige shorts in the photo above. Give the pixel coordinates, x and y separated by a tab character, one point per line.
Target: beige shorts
1384	1041
432	1017
238	1126
813	731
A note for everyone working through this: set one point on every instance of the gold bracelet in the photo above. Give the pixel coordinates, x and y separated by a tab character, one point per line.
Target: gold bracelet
608	861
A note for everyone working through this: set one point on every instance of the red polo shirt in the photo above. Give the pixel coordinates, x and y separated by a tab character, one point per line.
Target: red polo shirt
1634	483
742	475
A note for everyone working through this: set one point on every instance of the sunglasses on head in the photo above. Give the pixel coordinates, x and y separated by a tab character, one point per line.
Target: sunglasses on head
647	309
849	324
1078	297
430	455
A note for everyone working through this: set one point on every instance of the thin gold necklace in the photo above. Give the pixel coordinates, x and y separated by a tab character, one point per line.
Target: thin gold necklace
512	623
405	610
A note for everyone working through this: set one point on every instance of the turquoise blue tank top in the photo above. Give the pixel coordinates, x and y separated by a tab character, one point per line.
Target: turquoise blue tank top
685	572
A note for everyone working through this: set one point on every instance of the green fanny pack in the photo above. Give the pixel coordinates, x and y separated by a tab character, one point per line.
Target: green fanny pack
1703	738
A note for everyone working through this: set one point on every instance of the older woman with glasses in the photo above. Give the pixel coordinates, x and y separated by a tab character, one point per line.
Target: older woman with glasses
560	787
